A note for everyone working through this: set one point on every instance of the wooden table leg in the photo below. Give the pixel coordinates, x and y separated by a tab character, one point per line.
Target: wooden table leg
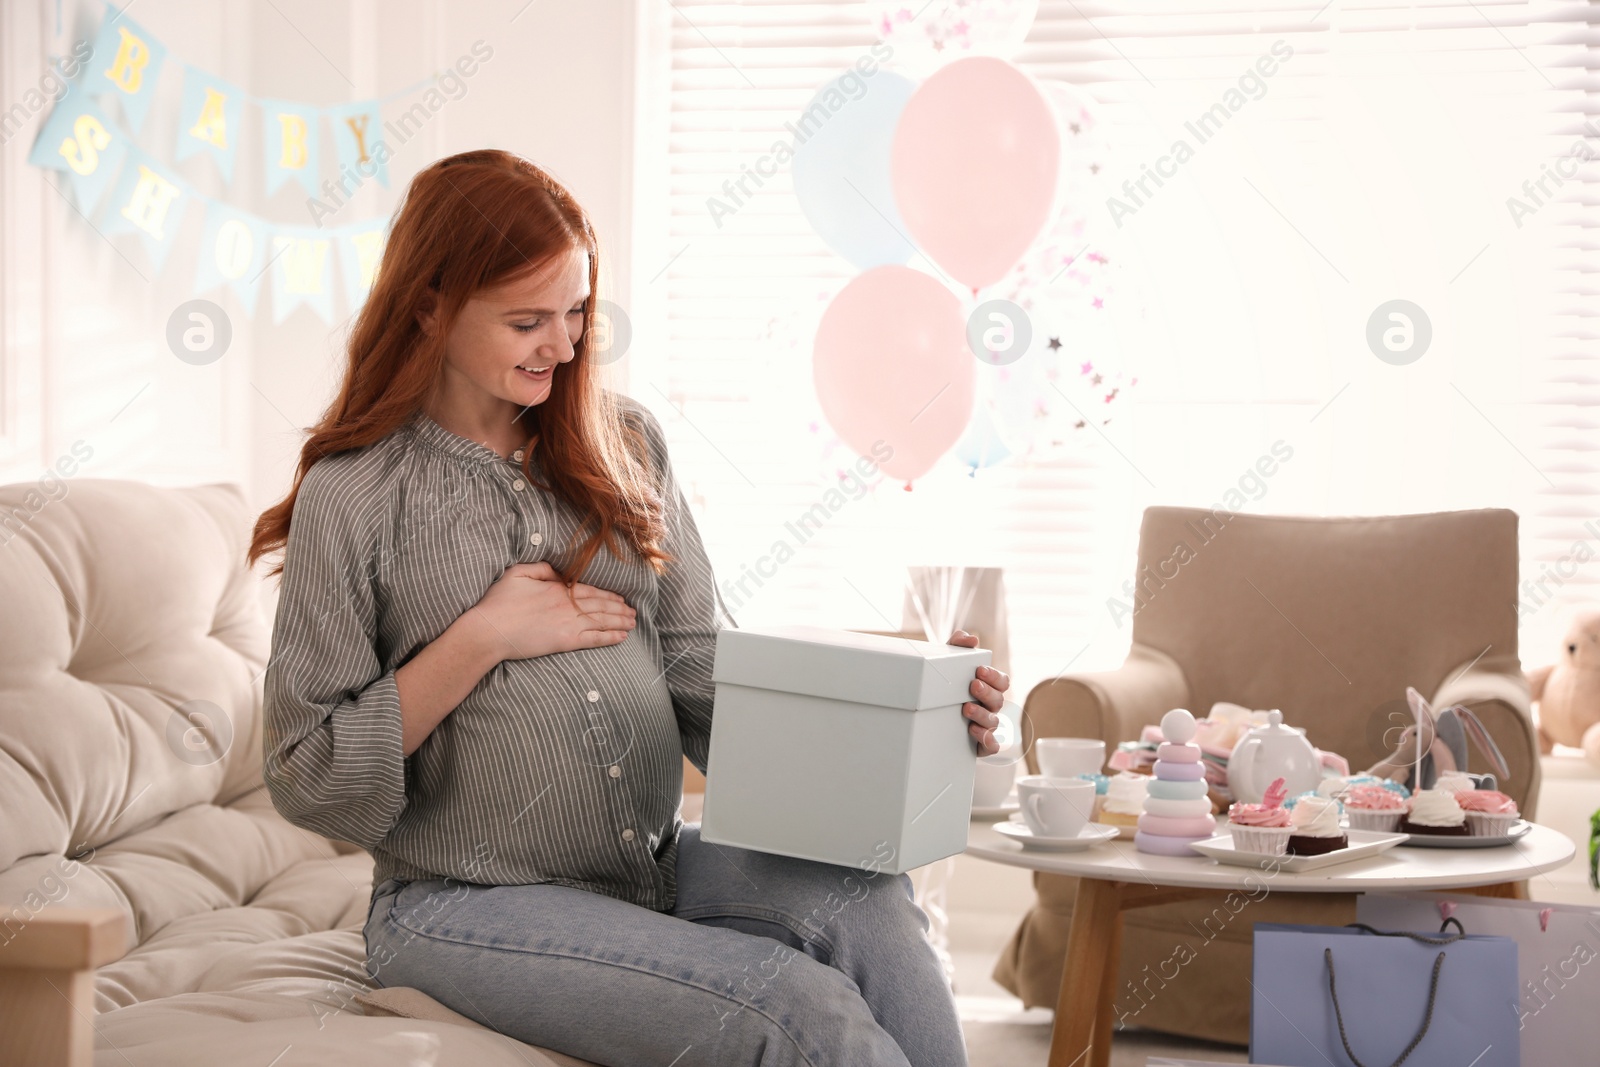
1089	970
1103	1025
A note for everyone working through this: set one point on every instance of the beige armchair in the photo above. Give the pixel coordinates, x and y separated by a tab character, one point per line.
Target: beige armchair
1327	619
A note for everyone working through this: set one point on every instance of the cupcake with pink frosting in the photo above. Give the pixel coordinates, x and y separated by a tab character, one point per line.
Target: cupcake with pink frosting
1372	807
1489	813
1262	827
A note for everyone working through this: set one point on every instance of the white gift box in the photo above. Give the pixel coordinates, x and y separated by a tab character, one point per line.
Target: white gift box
838	746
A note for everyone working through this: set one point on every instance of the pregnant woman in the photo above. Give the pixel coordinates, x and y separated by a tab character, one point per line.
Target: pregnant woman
508	741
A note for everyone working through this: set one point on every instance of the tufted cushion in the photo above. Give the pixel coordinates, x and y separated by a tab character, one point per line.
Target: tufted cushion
132	647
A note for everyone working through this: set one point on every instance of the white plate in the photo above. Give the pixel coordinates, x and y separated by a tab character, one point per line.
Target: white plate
1363	843
1517	830
999	811
1092	834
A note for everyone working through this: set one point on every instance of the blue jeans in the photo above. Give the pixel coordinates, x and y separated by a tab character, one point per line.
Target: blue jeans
765	960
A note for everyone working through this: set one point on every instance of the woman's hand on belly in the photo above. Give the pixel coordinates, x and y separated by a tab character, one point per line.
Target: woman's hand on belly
529	612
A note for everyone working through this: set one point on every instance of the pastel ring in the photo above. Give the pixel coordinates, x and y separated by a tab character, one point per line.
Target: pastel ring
1177	809
1163	846
1165	790
1195	826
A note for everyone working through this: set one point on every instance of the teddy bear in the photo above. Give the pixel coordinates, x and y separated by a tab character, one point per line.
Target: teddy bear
1568	691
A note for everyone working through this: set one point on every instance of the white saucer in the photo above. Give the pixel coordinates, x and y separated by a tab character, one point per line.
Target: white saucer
996	811
1092	834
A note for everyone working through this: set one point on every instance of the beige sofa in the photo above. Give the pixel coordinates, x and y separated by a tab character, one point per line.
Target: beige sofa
154	908
1329	620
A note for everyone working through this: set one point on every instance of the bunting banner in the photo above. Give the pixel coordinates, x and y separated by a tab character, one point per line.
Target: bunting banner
233	252
301	265
118	183
360	247
125	63
209	120
149	200
358	142
290	147
78	138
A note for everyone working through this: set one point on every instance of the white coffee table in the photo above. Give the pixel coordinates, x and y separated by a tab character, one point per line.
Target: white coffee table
1115	877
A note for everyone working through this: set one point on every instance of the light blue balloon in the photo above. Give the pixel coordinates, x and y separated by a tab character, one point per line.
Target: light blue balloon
841	166
980	445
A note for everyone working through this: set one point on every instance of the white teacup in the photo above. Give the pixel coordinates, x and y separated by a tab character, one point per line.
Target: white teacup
1055	807
991	783
1064	757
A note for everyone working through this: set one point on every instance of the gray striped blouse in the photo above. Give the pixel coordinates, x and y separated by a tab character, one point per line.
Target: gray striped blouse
565	768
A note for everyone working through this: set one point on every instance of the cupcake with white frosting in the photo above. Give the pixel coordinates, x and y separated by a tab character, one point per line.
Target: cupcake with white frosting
1315	822
1434	811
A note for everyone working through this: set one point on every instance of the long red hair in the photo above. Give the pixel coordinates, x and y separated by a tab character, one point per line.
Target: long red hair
471	222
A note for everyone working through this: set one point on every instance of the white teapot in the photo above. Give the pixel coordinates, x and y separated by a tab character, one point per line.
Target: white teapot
1272	751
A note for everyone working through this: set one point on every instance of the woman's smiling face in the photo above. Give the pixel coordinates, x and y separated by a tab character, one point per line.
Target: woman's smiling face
508	341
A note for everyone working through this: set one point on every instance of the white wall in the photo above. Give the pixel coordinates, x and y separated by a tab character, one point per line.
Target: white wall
556	89
83	318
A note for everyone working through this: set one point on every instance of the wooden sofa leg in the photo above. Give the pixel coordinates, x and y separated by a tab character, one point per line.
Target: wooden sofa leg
47	966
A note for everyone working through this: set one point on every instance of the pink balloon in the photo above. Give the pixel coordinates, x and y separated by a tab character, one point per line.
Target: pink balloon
973	167
892	368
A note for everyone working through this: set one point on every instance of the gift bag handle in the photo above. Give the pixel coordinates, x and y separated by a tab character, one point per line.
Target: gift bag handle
1433	983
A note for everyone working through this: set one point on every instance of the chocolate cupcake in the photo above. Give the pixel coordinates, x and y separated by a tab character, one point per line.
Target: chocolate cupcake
1436	812
1315	822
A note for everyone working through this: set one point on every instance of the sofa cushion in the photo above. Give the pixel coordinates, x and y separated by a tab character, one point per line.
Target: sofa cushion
132	648
132	634
259	1027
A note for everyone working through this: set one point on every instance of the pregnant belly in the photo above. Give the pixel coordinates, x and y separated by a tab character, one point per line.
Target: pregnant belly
598	705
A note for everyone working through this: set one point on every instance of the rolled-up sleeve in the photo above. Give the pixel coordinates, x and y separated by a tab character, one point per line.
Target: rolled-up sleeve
334	757
688	615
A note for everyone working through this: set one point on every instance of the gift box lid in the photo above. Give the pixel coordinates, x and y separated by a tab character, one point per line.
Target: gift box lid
891	672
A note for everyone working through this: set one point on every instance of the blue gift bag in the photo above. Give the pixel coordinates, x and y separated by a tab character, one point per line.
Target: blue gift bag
1353	996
